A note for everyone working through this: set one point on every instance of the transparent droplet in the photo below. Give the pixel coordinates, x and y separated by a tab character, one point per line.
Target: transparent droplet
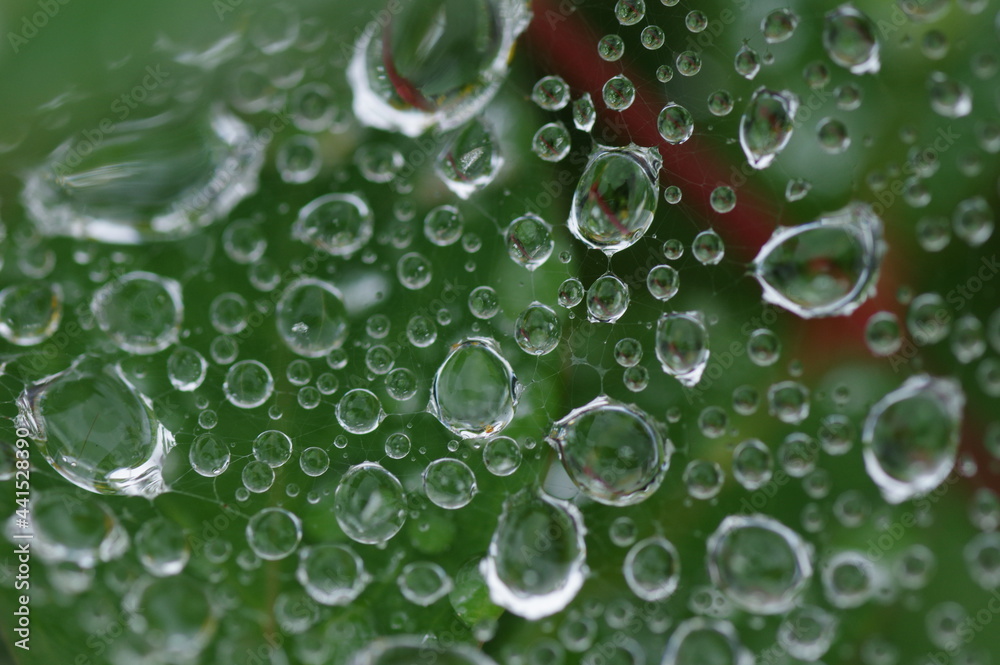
470	159
331	574
753	464
314	461
700	640
423	583
274	533
248	384
529	241
618	93
663	282
30	313
474	391
688	63
824	268
502	455
208	456
527	580
849	579
359	411
449	483
949	98
571	293
763	347
788	401
443	225
162	547
96	429
832	135
338	224
140	311
72	528
708	248
703	479
720	103
551	93
414	271
652	37
652	568
850	40
911	436
484	303
682	346
797	189
311	317
369	504
272	447
664	73
630	12
807	632
440	64
584	113
607	299
696	21
612	451
973	221
537	329
779	25
759	563
675	123
767	125
747	62
615	198
551	142
611	48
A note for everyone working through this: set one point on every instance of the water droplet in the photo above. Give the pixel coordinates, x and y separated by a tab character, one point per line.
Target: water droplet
571	293
700	640
96	429
720	103
339	224
779	25
272	447
615	199
824	268
449	483
949	98
551	142
759	563
417	72
531	581
475	391
833	137
162	547
584	113
470	159
502	456
682	346
331	574
652	37
618	93
766	125
551	93
607	299
274	533
423	583
529	241
630	12
652	568
688	63
484	303
359	411
248	384
911	436
807	632
612	451
443	225
140	311
753	465
747	62
850	41
77	529
663	282
30	313
611	48
208	456
537	329
153	178
664	73
675	123
311	317
369	504
414	271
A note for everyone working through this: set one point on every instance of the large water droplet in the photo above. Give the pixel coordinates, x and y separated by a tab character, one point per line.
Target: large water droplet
96	429
470	159
339	224
311	317
529	580
824	268
156	178
140	311
612	451
616	197
766	125
911	436
475	391
436	62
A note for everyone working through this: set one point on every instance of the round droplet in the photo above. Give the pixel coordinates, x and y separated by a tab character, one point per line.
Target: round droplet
882	334
274	533
443	225
850	40
722	199
529	241
162	547
423	583
607	299
778	25
537	329
720	103
272	447
414	271
700	640
551	93
652	37
311	317
763	347
331	574
531	581
618	93
747	62
551	142
30	313
484	303
208	456
140	311
753	465
630	12
339	224
652	568
613	452
474	390
186	369
449	483
759	563
611	48
675	124
369	504
359	411
832	134
766	126
708	248
248	384
682	346
571	293
663	282
502	456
